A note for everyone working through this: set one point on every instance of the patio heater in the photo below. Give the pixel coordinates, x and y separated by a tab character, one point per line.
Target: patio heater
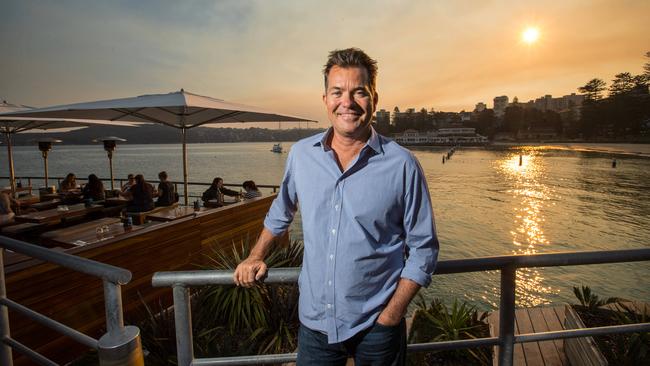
109	145
45	145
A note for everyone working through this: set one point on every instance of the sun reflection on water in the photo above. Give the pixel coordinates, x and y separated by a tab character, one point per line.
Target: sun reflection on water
526	173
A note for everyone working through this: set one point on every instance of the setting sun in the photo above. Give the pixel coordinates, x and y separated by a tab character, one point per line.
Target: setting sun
530	35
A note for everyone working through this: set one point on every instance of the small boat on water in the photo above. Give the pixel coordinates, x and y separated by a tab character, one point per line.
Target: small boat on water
277	148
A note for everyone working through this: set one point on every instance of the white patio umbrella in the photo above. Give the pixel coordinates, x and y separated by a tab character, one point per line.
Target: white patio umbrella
10	125
180	110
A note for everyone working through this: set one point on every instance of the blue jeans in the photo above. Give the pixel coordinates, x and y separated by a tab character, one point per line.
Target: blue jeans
377	346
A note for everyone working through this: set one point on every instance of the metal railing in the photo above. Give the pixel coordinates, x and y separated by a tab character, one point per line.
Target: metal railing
119	346
121	181
508	265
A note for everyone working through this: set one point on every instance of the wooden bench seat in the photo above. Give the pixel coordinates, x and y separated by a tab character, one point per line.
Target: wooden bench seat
140	217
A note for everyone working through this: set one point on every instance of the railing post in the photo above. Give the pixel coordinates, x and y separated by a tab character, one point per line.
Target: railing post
183	320
507	315
5	349
120	345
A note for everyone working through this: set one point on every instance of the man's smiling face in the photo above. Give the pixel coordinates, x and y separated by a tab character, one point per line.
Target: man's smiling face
350	101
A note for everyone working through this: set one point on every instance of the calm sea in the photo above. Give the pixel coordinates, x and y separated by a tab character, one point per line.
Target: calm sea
562	198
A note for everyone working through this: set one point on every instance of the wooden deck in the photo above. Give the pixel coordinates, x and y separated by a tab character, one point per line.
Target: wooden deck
635	306
535	320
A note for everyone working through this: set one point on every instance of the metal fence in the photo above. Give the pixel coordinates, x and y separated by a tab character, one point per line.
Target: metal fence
508	265
121	181
119	346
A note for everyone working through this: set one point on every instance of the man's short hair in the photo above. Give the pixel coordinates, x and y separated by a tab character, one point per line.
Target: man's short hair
352	57
162	175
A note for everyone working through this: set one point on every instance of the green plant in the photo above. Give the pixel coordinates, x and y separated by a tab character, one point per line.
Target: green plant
636	346
158	333
438	322
237	307
280	337
590	300
268	314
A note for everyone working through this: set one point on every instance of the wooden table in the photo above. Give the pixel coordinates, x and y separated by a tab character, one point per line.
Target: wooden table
226	201
55	215
45	205
173	213
116	201
87	233
18	189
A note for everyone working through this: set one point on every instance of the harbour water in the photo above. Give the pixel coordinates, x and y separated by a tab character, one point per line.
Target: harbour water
562	198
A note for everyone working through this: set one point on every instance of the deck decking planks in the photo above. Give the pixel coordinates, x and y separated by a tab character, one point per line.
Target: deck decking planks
532	353
535	320
518	356
555	323
549	351
635	306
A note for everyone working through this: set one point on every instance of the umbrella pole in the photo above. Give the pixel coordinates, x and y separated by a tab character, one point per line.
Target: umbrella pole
10	157
184	135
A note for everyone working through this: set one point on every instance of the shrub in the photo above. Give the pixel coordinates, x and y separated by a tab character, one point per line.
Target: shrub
437	322
590	300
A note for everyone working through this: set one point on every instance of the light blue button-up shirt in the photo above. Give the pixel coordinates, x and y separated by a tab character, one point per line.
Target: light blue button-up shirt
357	226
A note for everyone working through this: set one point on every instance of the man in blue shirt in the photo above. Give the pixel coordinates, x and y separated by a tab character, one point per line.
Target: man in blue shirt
369	233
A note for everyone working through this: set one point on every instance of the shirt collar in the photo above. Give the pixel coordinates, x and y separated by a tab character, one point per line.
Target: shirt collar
374	142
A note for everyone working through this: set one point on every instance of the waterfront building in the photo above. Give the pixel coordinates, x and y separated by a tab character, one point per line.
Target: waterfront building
500	105
566	103
382	117
465	116
443	136
480	107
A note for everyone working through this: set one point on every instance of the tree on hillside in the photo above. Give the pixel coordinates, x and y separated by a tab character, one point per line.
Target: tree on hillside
623	83
513	119
485	123
646	68
593	89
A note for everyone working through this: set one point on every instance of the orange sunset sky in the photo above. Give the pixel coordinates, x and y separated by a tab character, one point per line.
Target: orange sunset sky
446	55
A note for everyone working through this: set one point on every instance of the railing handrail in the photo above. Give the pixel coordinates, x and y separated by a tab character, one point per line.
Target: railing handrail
507	264
273	186
120	345
88	266
284	275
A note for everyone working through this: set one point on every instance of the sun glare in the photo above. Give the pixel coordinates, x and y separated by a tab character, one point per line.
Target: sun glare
530	35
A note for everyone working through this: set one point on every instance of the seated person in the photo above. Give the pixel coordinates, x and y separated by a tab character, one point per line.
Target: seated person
217	191
251	190
166	193
141	196
130	182
6	213
69	183
94	189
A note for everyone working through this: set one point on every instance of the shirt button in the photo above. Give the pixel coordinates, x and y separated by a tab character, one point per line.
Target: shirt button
329	283
333	231
329	306
336	207
331	256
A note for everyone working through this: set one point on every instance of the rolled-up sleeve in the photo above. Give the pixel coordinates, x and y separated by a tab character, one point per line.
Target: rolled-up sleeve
284	206
419	227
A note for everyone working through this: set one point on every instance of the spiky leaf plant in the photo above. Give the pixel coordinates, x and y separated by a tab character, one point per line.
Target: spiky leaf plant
438	322
267	313
590	300
636	346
